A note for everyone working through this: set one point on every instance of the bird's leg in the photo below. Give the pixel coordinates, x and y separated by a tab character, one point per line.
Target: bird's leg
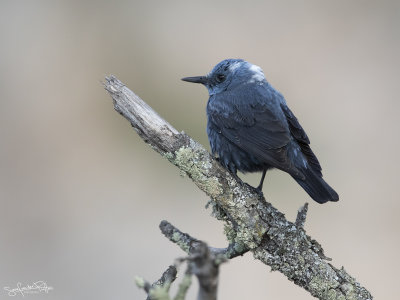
262	180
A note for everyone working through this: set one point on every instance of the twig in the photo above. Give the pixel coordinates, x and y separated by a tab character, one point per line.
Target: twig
206	269
301	216
165	281
159	289
204	260
143	284
184	285
185	242
258	225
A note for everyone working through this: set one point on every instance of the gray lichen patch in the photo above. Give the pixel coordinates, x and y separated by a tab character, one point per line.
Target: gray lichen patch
177	239
350	287
196	164
159	292
140	282
324	283
169	156
245	236
242	238
229	232
248	229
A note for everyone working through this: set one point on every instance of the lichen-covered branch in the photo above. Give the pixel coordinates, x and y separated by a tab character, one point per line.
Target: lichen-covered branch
164	282
301	216
186	242
205	266
251	222
184	285
201	261
158	290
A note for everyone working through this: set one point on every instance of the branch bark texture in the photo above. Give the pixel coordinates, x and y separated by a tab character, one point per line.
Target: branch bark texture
250	221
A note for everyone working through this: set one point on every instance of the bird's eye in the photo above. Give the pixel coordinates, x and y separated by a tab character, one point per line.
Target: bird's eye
220	78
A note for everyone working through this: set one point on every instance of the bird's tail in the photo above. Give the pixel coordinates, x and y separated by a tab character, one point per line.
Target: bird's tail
316	187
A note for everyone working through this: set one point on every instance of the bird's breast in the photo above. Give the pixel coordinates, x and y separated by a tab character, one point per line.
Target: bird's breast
230	155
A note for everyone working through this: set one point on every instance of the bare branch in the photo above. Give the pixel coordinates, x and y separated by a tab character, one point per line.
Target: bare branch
251	222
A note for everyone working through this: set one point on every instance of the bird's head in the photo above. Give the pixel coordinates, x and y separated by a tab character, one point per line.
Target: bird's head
229	74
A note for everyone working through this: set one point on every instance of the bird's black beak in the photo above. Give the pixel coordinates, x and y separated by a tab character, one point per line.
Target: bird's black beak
196	79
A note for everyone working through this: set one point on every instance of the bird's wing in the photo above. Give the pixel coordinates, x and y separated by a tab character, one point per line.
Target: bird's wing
246	119
302	139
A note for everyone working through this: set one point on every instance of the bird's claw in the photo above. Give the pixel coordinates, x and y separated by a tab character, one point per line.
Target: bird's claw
259	191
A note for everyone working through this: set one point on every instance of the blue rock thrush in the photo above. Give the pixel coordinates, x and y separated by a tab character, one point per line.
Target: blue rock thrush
251	129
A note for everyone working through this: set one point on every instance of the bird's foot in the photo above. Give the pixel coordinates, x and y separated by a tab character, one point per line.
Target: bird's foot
259	191
237	178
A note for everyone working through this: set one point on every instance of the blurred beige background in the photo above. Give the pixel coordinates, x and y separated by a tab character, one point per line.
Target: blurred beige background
82	196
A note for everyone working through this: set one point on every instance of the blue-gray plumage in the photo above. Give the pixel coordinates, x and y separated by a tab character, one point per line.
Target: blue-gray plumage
251	128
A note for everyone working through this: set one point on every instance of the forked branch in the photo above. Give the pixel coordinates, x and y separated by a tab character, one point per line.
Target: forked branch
250	221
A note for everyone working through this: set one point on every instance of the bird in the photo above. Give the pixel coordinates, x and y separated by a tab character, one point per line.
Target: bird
251	129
